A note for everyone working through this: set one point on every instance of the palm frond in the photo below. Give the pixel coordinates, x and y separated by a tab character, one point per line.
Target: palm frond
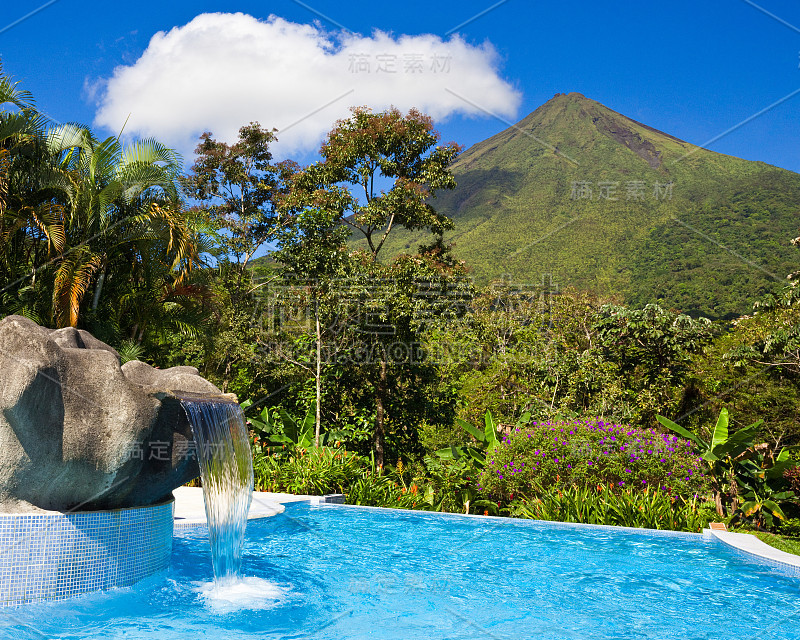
73	278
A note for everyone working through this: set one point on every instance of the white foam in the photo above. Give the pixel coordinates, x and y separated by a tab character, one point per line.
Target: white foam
241	594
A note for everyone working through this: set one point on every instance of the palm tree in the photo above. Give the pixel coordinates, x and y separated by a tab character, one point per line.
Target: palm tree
124	218
31	221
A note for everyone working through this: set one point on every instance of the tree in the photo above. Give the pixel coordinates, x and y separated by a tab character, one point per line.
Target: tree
31	219
359	155
238	187
314	252
123	219
652	349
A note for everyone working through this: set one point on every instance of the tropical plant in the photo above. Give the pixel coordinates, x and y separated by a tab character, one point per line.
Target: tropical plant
276	427
311	471
722	451
487	439
588	453
363	153
618	506
762	486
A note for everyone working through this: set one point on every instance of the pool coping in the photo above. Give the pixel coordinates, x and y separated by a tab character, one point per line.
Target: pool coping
190	507
750	546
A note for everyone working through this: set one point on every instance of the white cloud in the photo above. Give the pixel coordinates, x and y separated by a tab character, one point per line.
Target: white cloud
223	70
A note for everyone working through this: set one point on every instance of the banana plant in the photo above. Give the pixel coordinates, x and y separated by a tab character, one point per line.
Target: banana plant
279	428
487	439
763	486
740	468
723	445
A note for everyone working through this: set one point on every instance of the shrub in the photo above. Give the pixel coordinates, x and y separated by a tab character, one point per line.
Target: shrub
790	528
625	507
587	454
306	471
377	489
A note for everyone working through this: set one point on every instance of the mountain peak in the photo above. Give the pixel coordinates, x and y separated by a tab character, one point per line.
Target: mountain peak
607	204
575	128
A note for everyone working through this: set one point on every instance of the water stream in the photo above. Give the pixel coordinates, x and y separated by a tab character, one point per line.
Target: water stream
226	469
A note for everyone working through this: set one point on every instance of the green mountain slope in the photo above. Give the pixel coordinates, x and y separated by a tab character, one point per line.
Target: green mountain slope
600	202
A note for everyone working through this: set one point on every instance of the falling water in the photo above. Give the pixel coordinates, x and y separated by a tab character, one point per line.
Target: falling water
226	468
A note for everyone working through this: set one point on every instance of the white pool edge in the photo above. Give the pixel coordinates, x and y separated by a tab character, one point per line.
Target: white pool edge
751	547
190	507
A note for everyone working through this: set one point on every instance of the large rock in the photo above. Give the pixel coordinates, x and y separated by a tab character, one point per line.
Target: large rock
80	431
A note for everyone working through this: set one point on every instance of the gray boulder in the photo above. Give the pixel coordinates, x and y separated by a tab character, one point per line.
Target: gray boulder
81	431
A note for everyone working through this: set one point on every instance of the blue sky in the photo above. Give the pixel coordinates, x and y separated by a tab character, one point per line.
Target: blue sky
692	69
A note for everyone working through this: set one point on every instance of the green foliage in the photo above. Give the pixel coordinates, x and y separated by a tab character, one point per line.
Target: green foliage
238	187
94	233
652	350
487	439
743	473
762	486
790	527
623	507
312	471
723	446
321	202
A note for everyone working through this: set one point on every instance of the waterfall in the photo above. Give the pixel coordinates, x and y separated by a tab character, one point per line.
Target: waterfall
226	469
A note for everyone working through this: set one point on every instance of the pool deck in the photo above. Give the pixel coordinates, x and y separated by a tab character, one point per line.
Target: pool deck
190	510
750	546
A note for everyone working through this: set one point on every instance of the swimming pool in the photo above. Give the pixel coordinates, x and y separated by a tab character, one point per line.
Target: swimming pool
332	571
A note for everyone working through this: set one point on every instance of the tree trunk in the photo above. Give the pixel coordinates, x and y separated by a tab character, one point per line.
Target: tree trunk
98	289
718	501
318	374
380	412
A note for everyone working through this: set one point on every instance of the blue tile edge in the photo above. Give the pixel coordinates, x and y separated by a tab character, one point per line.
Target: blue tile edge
51	555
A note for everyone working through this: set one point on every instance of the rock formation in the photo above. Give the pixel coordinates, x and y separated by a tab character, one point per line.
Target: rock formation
81	431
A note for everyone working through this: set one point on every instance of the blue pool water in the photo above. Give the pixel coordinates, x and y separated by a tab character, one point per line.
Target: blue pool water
337	572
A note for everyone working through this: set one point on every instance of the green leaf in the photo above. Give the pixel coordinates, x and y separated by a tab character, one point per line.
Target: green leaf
449	453
672	426
308	428
476	455
471	430
739	442
775	509
524	419
289	425
720	430
490	431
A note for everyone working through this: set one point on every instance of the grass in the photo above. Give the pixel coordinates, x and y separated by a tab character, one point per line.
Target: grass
789	545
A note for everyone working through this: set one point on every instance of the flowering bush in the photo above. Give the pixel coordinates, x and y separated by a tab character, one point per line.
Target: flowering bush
549	455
